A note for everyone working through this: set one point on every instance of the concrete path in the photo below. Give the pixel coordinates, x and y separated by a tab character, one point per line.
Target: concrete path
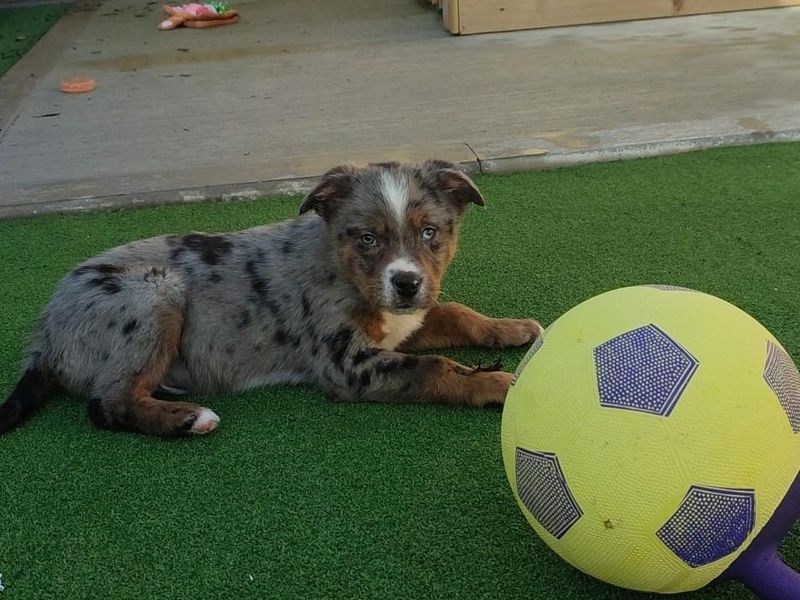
299	86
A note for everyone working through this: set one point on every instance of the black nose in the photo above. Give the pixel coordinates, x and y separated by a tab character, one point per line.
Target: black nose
407	283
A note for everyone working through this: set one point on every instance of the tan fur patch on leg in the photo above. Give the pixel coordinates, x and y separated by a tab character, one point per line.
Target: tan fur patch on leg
372	325
453	383
452	324
448	325
171	328
141	412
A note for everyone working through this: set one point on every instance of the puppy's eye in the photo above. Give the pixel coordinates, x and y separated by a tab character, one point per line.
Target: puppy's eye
428	234
368	239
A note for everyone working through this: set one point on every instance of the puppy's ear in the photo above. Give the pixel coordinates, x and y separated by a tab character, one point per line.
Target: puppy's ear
335	186
453	182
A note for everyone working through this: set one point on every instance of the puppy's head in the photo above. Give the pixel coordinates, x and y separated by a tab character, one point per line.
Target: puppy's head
395	227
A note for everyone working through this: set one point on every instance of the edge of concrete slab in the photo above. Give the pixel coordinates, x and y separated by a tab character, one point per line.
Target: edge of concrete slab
633	151
299	185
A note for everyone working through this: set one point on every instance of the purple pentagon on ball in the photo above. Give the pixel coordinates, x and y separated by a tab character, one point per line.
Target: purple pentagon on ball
643	370
782	377
544	491
709	524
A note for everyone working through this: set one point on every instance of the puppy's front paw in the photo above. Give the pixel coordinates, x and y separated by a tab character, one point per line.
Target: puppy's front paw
201	422
508	333
492	389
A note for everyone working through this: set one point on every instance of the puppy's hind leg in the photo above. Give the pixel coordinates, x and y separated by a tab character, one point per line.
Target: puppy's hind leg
122	397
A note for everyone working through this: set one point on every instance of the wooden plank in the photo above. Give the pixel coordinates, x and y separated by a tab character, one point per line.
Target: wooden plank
480	16
450	16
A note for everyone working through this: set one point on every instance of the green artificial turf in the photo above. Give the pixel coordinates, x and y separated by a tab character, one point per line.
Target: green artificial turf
296	497
21	28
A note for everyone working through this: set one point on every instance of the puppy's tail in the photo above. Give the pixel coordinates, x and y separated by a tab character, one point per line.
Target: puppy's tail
31	392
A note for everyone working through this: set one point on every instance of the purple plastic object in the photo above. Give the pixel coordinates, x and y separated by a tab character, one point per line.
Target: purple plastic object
760	566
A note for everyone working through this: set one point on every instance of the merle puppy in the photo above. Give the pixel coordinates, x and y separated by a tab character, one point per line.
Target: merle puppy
334	297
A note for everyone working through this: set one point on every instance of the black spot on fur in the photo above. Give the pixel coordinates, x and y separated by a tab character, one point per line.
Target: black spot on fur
130	327
387	366
281	337
366	379
107	269
111	287
310	330
259	287
176	253
351	379
364	354
101	269
338	344
331	278
229	350
410	362
257	347
108	283
306	306
244	319
96	414
214	277
287	247
105	357
112	323
211	248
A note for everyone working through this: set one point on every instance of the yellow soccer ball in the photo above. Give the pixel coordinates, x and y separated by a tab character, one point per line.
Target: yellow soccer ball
650	434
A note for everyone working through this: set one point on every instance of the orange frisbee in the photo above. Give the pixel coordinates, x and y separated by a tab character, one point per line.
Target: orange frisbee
78	85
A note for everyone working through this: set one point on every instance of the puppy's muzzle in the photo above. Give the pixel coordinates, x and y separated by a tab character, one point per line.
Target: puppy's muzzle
406	285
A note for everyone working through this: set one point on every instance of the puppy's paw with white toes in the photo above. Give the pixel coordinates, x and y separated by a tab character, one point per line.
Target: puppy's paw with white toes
206	421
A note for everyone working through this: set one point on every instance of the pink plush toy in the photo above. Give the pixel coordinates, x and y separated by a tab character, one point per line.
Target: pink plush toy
198	15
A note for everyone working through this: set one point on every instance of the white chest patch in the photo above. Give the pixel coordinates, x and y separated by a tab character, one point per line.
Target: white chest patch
398	328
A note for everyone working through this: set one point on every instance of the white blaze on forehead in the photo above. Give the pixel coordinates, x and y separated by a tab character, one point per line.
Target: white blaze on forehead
395	192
